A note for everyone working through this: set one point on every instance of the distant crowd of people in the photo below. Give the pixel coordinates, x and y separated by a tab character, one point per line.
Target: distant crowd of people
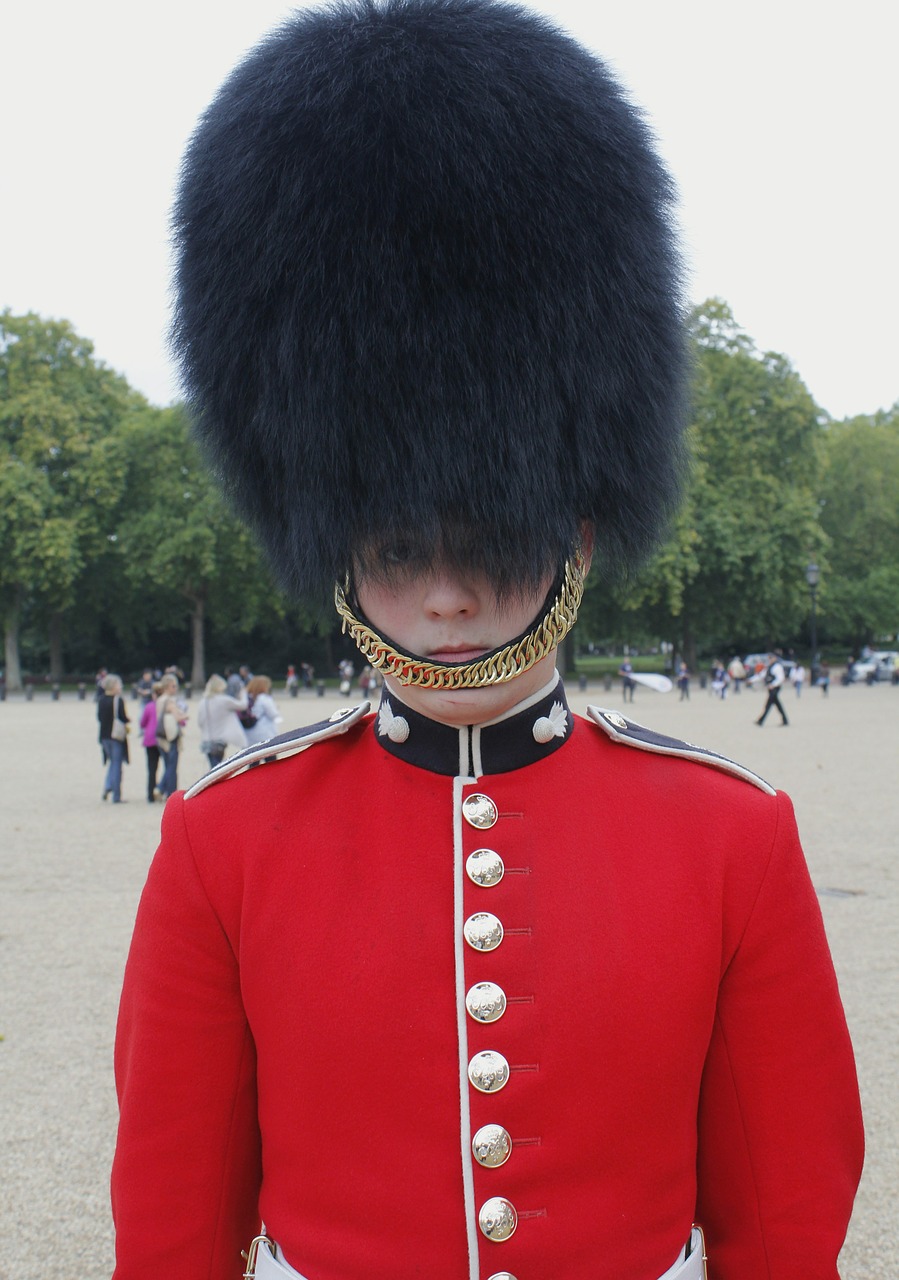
163	716
771	670
236	710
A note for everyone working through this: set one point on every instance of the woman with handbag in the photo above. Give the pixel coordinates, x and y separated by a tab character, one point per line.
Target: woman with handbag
170	720
219	720
113	736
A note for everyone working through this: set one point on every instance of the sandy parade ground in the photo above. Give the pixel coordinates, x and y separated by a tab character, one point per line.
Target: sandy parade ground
71	870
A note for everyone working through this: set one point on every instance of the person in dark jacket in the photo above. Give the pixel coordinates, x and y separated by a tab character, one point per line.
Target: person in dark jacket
113	720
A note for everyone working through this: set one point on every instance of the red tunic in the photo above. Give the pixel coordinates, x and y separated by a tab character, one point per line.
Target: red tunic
294	1041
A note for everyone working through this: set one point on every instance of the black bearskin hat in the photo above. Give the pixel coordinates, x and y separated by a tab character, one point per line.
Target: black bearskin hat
427	288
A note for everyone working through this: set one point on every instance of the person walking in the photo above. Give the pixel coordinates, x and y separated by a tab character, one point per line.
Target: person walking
218	720
148	737
737	672
463	985
719	679
264	708
628	683
775	676
171	718
113	720
683	682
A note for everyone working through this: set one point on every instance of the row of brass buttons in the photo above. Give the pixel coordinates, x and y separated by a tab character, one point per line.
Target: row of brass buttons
488	1071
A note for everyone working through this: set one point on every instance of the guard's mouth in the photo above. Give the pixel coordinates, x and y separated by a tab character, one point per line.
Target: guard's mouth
456	653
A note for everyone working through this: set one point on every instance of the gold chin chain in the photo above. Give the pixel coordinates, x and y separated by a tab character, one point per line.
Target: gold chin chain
494	668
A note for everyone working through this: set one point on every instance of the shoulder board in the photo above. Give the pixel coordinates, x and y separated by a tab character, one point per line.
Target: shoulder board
284	744
619	729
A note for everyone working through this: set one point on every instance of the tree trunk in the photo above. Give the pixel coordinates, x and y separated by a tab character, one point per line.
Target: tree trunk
11	640
54	637
198	644
689	646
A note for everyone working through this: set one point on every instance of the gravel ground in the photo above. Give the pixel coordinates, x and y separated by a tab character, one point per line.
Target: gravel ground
72	868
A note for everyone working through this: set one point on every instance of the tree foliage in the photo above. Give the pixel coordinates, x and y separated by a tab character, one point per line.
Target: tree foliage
733	567
183	552
860	515
62	469
115	542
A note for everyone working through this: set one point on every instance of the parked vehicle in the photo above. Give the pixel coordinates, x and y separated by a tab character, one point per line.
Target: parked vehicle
881	666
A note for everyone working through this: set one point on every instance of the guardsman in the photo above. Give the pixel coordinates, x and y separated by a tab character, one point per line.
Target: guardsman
467	986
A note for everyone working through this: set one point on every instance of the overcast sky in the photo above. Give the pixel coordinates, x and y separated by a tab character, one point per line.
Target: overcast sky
777	119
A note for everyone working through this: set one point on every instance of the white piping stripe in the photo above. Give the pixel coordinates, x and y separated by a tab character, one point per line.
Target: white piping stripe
463	751
477	763
298	741
598	716
471	1215
528	702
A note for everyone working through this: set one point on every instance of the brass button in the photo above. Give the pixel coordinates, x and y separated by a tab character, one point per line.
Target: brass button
479	811
491	1146
484	867
485	1001
483	931
488	1071
497	1218
614	718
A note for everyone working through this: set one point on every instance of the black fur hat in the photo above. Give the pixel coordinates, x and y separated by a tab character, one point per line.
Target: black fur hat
428	289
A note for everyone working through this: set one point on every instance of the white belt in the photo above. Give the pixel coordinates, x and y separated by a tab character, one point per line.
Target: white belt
270	1265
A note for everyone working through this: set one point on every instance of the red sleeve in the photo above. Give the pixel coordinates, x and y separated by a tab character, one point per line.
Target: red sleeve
780	1137
186	1175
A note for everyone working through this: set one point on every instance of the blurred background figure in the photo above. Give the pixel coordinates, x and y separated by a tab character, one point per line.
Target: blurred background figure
628	685
171	717
219	720
346	671
113	735
143	689
737	672
262	706
797	677
683	682
719	679
148	737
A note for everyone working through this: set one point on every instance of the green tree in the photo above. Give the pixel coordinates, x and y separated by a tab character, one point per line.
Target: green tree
860	514
733	566
181	548
61	472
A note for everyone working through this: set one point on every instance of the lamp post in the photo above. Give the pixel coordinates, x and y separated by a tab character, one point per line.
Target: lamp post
812	574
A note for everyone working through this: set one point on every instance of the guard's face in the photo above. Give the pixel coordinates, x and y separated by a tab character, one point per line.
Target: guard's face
448	615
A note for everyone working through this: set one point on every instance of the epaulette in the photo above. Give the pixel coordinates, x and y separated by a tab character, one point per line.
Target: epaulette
620	729
277	748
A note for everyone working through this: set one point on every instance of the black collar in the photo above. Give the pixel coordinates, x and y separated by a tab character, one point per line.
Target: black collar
527	733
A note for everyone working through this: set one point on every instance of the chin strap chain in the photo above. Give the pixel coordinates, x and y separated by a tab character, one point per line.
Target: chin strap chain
494	668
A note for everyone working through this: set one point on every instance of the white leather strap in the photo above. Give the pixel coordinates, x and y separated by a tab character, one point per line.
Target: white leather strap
692	1267
270	1267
